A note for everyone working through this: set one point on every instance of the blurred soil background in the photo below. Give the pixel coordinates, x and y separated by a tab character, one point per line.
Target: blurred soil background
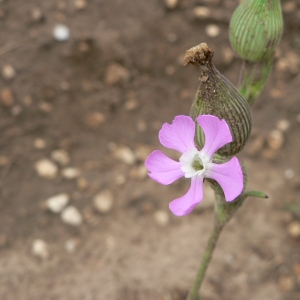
80	112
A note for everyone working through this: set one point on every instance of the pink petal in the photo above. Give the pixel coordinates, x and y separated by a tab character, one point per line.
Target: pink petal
229	176
179	135
184	205
216	131
162	168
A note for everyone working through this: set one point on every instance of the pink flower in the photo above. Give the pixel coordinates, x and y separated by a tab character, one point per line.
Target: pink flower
194	163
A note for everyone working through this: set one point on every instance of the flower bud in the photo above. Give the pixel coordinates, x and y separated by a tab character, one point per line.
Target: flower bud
217	96
255	29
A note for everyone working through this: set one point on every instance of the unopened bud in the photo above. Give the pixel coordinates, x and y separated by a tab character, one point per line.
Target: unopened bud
255	29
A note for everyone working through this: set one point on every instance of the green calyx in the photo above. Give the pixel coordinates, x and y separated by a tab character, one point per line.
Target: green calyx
217	96
255	29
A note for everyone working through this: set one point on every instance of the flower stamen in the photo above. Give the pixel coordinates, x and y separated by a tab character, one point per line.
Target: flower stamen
197	164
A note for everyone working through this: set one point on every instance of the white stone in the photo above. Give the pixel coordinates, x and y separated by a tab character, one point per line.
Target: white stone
283	125
171	4
8	72
71	216
61	33
294	229
126	155
60	156
275	139
161	217
39	143
70	173
212	30
46	168
57	203
40	249
201	12
103	202
80	4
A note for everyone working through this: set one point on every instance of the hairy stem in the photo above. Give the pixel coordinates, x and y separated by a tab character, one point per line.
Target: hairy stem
194	292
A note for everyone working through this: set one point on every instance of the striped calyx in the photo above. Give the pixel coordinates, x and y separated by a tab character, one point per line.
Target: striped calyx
217	96
256	28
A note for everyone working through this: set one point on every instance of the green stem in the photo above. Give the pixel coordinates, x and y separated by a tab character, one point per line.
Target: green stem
194	292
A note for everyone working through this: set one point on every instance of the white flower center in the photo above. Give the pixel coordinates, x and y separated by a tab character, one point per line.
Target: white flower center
193	163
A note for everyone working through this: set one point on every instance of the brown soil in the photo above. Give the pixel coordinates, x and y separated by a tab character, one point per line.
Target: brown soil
117	79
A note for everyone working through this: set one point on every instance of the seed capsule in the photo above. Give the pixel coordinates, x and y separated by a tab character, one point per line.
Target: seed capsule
256	28
217	96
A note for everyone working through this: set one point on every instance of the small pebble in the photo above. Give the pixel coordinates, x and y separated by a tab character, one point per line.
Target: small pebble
60	156
71	216
171	4
139	173
7	98
289	173
16	110
57	203
142	152
8	72
296	269
269	154
4	160
82	183
126	155
27	100
37	15
115	74
141	125
94	120
275	139
212	30
61	33
71	245
283	125
80	4
286	283
228	55
131	104
39	143
289	6
294	229
103	202
40	249
70	173
201	12
46	168
161	217
120	179
45	107
277	93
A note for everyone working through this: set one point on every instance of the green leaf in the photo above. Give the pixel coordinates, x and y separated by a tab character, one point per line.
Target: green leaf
257	194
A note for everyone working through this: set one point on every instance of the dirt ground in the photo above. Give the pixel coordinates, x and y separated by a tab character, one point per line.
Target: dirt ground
99	98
